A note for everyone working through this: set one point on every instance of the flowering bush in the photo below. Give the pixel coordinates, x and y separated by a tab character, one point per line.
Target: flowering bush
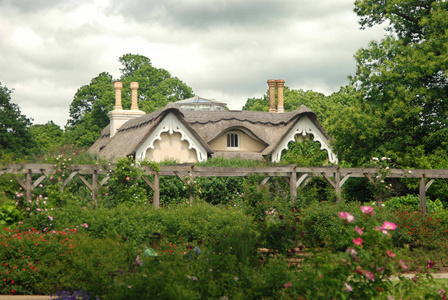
362	271
381	189
24	252
123	185
42	263
419	230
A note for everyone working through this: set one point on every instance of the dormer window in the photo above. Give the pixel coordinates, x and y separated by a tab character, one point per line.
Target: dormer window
233	141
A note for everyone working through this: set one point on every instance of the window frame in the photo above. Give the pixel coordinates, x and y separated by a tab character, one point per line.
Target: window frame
233	140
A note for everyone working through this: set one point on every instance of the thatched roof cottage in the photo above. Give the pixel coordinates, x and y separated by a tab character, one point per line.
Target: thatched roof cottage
196	135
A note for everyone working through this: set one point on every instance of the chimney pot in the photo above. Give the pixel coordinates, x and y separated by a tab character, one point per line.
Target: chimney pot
118	85
134	88
271	84
280	84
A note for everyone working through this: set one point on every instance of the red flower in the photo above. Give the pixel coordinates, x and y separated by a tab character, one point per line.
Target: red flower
357	241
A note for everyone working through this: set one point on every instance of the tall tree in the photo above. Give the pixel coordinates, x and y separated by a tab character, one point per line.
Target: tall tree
403	80
92	103
47	136
15	137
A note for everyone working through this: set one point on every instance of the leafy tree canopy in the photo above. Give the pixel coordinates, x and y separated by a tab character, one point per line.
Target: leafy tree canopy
46	137
15	137
403	80
91	104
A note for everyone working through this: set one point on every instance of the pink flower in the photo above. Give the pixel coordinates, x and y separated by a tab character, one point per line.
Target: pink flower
390	254
369	275
359	230
403	265
346	216
287	285
352	252
51	218
348	287
367	210
357	241
389	226
127	178
431	264
85	225
382	229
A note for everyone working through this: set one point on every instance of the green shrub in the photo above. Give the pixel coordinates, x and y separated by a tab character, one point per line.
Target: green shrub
322	226
219	190
123	185
172	191
270	279
10	214
413	202
139	223
201	221
42	263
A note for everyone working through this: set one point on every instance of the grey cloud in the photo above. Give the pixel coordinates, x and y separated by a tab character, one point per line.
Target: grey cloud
204	15
33	6
239	44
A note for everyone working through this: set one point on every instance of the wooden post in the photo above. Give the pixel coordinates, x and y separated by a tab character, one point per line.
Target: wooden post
338	187
156	189
95	187
293	185
422	190
28	185
155	186
191	185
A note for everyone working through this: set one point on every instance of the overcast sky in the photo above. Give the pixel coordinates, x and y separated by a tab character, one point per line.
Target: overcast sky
223	49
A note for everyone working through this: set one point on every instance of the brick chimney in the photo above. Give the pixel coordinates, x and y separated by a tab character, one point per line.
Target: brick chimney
271	84
134	89
118	85
280	84
118	116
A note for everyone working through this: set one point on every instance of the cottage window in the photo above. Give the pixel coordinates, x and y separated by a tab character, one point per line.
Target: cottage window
233	140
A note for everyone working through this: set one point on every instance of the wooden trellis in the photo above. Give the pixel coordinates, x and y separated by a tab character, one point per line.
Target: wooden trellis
296	176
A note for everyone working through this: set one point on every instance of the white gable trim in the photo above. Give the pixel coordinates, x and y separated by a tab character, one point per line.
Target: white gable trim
304	126
171	124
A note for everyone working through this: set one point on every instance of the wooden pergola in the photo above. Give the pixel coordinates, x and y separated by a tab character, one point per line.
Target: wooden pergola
295	176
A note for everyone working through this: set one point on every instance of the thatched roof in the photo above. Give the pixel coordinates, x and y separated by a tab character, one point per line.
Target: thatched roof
270	128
